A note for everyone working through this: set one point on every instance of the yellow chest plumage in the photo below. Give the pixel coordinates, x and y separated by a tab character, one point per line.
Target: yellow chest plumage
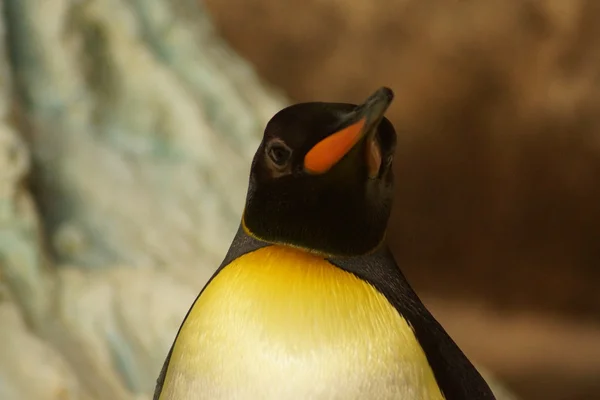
279	323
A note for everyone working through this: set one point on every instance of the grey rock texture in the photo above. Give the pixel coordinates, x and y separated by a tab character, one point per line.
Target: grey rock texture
126	132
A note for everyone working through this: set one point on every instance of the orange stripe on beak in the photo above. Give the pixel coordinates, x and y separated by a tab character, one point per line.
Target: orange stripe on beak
333	148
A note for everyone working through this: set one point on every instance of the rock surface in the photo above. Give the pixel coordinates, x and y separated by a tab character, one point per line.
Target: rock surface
29	367
126	131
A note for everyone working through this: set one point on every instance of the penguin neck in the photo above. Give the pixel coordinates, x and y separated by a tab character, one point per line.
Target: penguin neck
262	242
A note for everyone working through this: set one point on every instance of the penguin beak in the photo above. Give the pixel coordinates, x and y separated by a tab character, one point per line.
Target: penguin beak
362	126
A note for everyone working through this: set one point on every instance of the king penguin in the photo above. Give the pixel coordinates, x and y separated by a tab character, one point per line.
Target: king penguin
309	302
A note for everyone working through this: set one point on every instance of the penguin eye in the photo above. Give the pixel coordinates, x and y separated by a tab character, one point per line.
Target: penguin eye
279	153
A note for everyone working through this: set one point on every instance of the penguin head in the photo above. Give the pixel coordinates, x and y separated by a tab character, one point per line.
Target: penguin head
322	178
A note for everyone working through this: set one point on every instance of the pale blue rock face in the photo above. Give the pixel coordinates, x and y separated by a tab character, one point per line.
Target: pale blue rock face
140	126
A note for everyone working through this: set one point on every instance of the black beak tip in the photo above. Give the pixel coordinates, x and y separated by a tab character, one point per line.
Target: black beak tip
384	93
377	103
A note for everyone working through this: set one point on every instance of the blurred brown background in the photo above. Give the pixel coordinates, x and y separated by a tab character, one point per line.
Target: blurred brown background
497	217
